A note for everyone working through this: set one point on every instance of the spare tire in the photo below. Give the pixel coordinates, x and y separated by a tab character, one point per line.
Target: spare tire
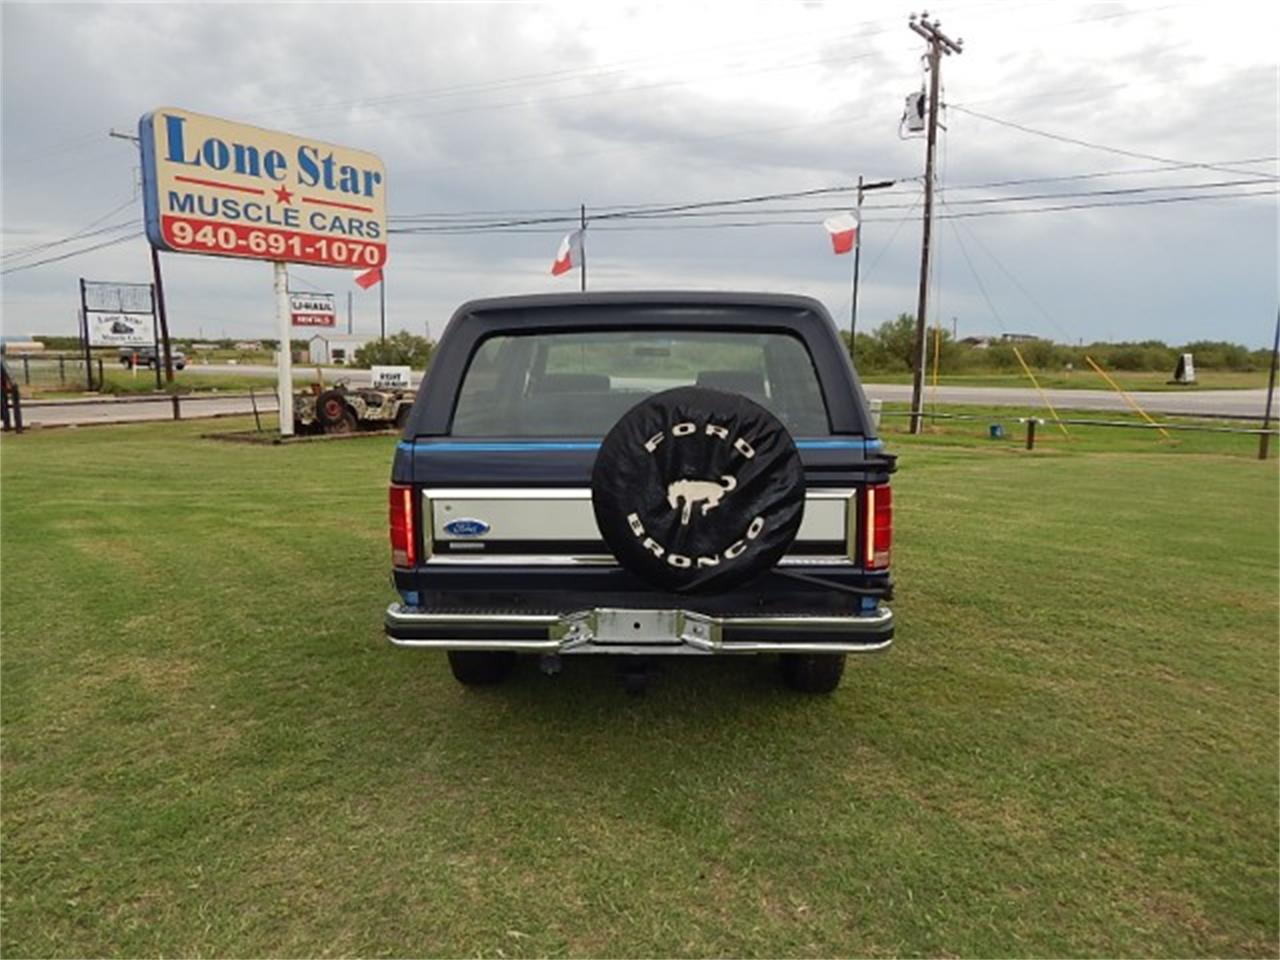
696	490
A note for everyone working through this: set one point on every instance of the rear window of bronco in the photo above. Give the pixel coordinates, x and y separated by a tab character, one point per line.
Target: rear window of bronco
577	384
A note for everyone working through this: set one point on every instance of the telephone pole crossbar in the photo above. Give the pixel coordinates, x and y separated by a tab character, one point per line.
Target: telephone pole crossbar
939	45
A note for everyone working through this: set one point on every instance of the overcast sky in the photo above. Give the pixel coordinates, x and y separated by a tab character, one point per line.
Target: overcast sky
540	107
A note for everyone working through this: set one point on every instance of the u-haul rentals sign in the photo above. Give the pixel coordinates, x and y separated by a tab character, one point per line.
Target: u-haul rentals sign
216	187
312	310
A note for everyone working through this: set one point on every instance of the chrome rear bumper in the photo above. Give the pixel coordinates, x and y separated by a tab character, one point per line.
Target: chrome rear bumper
611	630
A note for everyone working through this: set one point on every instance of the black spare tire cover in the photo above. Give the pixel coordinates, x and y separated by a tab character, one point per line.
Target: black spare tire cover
697	490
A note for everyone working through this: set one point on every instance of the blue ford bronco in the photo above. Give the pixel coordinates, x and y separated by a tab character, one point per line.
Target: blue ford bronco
641	474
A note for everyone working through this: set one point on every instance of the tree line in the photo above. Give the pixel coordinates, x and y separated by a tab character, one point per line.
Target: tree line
890	348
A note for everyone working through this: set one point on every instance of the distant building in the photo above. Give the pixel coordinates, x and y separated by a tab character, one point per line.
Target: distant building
338	349
251	345
17	345
985	341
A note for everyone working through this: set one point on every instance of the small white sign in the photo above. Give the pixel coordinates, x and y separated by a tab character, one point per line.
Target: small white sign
120	330
312	309
1186	370
391	378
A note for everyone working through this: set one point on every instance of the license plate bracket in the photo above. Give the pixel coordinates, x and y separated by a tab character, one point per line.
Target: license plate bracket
657	627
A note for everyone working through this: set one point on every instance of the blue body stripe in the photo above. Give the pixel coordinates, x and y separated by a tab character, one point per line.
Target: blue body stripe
525	446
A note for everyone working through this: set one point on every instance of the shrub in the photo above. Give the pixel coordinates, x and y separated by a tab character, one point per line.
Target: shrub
400	349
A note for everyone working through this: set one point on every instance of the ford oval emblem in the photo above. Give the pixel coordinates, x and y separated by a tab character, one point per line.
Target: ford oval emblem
466	527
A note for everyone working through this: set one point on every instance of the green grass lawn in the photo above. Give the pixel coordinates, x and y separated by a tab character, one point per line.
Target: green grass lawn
208	748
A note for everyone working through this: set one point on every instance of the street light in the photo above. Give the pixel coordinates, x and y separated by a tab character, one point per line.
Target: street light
857	259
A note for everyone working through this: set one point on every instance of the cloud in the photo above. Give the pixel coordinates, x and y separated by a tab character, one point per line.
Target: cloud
509	107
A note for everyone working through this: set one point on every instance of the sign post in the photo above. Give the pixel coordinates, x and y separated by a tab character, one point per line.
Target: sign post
84	332
219	188
284	357
155	337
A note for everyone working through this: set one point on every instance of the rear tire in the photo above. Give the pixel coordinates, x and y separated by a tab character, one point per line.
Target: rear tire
333	414
812	672
480	668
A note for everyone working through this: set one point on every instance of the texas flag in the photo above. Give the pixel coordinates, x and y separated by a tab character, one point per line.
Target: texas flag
569	255
843	228
367	279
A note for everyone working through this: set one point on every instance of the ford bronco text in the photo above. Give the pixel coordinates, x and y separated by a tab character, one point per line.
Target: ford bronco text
641	474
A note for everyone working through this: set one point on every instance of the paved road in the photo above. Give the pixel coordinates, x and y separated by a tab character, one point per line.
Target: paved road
1222	402
67	413
300	371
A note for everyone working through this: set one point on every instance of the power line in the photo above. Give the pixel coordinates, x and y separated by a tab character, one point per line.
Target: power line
647	210
981	286
1124	203
448	216
73	253
82	235
1012	279
893	236
84	231
977	201
698	211
463	230
1091	145
1101	174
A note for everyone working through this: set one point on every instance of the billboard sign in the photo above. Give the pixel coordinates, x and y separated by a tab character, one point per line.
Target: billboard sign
312	310
120	329
216	187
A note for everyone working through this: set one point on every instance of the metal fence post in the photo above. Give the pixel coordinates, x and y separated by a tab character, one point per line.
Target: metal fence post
1031	433
1264	439
101	382
177	410
62	369
26	370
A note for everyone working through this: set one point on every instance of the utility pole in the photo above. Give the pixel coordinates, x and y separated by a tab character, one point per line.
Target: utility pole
939	44
857	258
156	278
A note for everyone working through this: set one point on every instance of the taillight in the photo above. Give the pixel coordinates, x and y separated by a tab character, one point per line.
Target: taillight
877	527
403	552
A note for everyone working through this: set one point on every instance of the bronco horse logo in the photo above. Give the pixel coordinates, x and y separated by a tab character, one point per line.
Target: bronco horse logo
707	492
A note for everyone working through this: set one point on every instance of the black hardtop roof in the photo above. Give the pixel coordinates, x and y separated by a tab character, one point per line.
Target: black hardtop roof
476	320
558	303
